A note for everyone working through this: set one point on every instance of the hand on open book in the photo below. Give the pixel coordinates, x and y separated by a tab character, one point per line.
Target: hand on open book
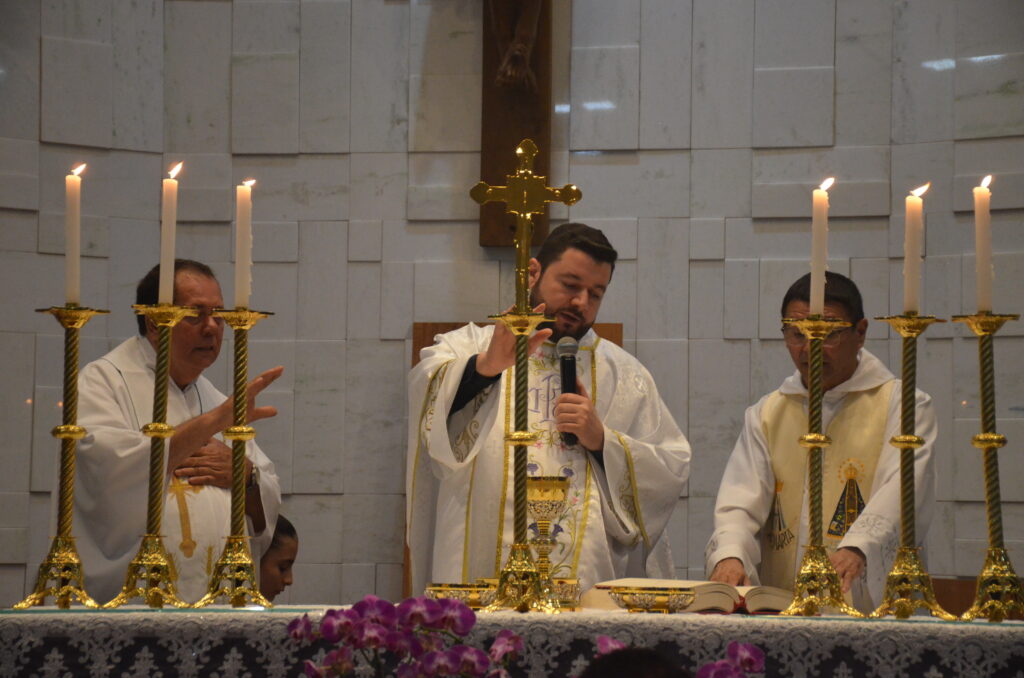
730	571
849	564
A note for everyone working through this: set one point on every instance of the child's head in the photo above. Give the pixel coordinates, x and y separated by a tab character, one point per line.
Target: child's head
276	563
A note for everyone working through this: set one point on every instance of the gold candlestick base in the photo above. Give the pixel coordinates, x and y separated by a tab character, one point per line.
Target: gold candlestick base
817	587
63	568
908	588
234	577
520	587
153	565
999	591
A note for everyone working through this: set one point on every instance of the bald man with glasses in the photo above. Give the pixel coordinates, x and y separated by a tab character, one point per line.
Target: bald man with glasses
761	511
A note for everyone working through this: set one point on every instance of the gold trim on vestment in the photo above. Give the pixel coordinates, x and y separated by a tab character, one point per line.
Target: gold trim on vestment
465	538
636	490
504	473
430	395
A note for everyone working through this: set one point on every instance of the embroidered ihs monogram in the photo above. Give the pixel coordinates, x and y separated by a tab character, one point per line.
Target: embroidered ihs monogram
851	502
779	536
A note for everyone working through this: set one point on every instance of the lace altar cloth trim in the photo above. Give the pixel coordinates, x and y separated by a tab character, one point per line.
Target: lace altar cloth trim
229	643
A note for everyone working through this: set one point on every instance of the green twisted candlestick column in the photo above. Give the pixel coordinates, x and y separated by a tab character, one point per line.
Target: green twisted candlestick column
908	586
817	584
60	574
234	574
999	591
151	563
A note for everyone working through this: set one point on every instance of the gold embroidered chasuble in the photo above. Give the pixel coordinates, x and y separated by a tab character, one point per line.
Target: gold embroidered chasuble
848	471
459	482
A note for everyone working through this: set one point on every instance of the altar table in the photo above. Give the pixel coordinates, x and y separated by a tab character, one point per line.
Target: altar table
228	643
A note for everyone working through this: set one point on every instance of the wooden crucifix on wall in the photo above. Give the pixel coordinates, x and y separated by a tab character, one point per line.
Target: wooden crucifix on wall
516	104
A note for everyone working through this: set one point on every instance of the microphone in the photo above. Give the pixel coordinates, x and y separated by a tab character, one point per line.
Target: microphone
566	350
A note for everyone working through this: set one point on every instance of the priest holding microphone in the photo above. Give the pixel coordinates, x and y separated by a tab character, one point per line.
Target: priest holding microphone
611	435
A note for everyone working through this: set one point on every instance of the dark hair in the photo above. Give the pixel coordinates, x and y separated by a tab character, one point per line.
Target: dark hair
580	236
838	290
148	289
282	530
641	662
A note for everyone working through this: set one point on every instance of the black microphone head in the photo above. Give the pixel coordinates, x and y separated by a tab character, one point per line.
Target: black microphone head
567	346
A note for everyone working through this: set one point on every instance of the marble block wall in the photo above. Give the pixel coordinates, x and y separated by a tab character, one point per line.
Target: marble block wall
696	130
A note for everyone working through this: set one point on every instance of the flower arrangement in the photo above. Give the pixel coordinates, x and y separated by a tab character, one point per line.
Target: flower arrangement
417	638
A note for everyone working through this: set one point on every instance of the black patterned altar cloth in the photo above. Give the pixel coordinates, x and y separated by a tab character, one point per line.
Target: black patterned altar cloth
232	643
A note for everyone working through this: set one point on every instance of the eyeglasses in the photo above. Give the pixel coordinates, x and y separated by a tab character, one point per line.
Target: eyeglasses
794	337
204	316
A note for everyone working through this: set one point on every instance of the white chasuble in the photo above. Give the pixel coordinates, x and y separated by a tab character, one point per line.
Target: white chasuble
460	471
112	479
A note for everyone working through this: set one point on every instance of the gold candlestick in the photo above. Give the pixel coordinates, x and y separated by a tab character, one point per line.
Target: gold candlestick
908	586
152	563
999	589
525	195
60	573
234	575
817	583
545	498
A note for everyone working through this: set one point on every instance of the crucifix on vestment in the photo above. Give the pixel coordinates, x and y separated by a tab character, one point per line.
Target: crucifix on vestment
525	195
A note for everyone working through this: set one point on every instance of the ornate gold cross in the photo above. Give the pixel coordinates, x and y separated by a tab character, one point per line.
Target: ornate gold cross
525	195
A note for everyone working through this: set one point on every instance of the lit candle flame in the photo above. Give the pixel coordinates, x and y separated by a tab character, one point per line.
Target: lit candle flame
986	181
920	190
249	182
827	184
174	170
78	170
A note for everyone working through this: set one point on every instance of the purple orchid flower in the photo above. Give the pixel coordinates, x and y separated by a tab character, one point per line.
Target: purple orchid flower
340	660
301	628
469	661
418	611
456	616
339	624
505	644
436	663
376	610
746	656
398	643
606	644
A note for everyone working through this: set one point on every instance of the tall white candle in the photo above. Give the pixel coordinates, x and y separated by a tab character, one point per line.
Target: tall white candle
168	223
243	243
819	246
983	244
913	235
73	236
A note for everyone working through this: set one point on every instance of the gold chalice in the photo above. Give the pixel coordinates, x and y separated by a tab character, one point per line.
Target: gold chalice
545	500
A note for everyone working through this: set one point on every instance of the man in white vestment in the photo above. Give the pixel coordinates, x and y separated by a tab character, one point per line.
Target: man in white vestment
626	471
761	512
111	486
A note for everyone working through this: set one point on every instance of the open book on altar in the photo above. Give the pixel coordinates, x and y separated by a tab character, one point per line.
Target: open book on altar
707	596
